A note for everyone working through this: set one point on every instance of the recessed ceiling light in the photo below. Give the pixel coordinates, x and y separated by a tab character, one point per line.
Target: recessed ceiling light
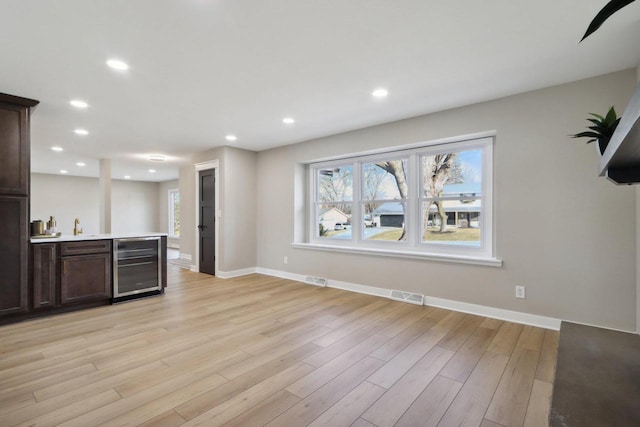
380	93
157	158
152	170
231	137
288	121
78	103
116	64
56	148
81	164
127	177
63	171
81	132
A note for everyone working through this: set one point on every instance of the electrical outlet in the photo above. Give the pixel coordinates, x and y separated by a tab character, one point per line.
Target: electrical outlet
286	260
520	292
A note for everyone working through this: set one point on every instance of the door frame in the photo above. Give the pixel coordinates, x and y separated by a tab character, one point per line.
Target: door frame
215	165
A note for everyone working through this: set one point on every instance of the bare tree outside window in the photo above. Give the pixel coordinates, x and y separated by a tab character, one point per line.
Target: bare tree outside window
439	170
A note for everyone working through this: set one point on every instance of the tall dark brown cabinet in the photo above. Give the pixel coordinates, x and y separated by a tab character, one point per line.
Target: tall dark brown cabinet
14	202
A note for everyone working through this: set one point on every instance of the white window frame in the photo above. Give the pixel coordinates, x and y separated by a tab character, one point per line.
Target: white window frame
170	192
413	247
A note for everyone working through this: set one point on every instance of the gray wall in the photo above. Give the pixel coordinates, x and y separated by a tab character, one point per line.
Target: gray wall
134	205
566	234
66	198
638	240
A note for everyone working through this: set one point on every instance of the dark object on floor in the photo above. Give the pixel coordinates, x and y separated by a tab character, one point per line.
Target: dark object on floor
597	378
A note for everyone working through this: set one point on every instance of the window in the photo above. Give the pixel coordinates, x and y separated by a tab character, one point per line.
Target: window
433	199
174	213
334	201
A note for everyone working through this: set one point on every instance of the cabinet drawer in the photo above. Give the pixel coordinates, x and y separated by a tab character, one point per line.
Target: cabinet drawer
86	247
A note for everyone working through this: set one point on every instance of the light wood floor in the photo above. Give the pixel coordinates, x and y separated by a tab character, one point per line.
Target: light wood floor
258	350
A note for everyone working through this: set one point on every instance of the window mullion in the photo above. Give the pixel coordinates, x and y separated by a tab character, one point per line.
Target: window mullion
356	208
412	223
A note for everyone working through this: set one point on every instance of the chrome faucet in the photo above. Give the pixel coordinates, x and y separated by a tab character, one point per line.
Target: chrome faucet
76	230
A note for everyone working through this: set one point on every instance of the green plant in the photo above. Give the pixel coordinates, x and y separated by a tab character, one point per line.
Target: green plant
612	7
601	130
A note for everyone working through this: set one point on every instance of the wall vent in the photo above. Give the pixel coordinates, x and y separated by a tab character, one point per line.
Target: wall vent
317	281
407	297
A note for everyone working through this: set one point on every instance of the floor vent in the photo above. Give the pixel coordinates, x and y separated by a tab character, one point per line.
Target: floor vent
317	281
407	297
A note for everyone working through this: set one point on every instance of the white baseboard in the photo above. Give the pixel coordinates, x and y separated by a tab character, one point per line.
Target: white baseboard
495	313
481	310
185	257
235	273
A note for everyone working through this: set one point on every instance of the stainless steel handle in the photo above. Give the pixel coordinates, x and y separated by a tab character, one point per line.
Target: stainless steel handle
138	263
124	258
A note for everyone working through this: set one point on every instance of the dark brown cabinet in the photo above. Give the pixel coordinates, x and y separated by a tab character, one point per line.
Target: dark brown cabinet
44	275
14	202
14	144
85	277
13	255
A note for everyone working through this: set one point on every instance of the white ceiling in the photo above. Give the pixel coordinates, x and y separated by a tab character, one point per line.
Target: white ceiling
200	69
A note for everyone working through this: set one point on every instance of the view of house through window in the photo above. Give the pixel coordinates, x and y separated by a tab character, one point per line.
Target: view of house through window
174	213
431	198
452	197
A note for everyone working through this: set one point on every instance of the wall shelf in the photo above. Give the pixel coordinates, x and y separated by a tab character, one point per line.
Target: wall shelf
620	162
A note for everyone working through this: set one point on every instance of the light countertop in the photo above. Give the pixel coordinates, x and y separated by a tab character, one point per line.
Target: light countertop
84	237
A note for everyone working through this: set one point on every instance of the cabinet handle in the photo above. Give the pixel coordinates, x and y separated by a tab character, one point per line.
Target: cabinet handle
132	265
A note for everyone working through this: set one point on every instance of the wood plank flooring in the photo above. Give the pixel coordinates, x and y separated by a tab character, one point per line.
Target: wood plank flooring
259	350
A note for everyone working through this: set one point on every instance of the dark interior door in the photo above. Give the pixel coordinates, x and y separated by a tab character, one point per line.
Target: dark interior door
207	229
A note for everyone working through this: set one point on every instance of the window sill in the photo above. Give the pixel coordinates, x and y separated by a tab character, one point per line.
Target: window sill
489	262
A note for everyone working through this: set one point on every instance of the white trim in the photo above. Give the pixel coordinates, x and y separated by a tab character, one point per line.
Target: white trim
432	142
489	262
215	165
185	257
481	310
236	273
495	313
281	274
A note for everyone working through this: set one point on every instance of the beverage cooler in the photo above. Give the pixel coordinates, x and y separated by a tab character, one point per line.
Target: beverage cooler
137	267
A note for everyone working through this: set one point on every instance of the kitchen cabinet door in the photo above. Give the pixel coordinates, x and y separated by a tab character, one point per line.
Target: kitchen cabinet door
14	144
43	275
13	255
85	278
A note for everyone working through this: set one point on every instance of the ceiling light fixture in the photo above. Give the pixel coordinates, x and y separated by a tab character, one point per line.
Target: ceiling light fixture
56	148
63	171
82	132
116	64
288	121
78	103
127	177
157	158
380	93
81	164
152	170
231	137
